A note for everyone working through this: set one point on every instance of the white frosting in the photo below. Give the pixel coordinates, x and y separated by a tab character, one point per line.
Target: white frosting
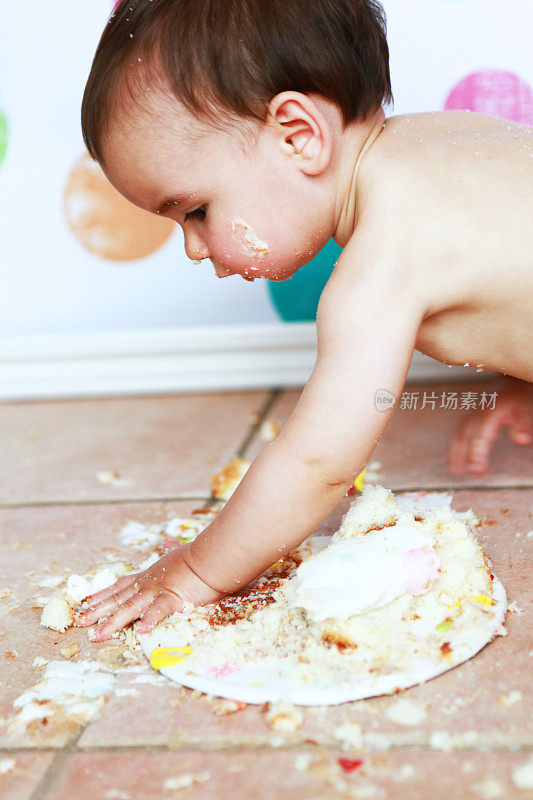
366	572
75	687
245	235
135	534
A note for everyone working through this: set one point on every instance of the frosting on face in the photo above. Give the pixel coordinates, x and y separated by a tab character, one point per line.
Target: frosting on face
366	572
245	235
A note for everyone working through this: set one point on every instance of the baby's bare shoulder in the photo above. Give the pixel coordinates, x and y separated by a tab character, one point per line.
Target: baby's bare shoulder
449	193
447	198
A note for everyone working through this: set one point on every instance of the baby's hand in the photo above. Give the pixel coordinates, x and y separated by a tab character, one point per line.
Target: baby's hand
474	439
149	596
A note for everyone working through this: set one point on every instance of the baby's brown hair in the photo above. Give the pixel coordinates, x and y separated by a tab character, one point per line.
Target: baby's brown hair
234	56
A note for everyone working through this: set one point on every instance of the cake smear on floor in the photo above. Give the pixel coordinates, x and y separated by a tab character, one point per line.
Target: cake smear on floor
399	594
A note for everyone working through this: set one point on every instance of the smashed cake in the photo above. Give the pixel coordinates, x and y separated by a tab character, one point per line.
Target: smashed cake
399	594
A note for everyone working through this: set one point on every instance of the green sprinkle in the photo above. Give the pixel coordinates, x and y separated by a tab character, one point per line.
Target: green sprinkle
445	625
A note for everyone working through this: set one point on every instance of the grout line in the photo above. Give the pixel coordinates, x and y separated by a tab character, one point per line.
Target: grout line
217	747
114	502
499	488
56	766
255	427
209	500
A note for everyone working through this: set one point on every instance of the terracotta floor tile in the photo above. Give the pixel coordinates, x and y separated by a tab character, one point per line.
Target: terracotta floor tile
310	774
21	772
38	543
413	450
159	446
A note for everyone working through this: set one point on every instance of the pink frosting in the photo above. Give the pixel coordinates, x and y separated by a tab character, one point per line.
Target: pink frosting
420	567
224	669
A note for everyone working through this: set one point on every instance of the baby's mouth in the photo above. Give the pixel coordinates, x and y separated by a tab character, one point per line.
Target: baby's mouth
221	271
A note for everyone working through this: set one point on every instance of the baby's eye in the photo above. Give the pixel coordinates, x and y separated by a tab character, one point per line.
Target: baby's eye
199	213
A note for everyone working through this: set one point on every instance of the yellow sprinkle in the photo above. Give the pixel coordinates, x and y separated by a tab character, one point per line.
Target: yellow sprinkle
484	599
185	524
277	564
166	656
360	481
258	683
444	626
457	605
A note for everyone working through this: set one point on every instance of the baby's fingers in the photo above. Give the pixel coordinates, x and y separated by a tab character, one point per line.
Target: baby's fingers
163	605
130	609
120	584
102	609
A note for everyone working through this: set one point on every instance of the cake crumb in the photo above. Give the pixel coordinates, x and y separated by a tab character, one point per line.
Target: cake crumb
11	654
350	735
522	776
70	651
406	712
269	430
185	781
489	789
303	761
222	706
112	478
7	765
284	717
224	483
510	699
57	615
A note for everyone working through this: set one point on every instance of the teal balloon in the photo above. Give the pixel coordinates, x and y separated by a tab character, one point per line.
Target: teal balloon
296	299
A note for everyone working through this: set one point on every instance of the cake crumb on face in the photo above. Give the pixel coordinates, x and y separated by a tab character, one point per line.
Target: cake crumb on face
243	233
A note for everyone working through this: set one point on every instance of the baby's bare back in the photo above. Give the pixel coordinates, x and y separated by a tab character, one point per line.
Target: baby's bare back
455	189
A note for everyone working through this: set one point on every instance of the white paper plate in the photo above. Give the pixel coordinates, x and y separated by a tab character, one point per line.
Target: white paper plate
271	679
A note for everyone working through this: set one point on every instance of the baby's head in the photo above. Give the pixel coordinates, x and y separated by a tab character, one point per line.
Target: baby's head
224	116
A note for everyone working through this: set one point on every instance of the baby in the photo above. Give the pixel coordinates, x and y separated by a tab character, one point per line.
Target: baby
258	126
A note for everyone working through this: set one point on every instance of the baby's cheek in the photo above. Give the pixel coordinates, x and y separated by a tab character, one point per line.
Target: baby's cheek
247	238
241	248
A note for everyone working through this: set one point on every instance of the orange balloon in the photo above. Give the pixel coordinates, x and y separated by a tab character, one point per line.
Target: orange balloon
106	223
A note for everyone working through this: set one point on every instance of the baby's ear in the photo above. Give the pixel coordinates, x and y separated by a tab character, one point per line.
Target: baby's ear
302	131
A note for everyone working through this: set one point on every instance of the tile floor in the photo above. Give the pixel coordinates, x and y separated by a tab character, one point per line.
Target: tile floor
59	511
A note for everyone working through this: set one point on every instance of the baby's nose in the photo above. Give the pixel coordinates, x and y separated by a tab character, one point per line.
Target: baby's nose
195	247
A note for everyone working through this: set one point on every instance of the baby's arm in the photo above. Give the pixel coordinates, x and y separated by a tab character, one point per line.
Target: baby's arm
367	329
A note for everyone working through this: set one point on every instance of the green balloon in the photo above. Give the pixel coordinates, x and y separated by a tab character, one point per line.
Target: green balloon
296	299
3	135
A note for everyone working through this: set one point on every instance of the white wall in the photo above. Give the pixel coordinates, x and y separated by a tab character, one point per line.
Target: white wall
53	287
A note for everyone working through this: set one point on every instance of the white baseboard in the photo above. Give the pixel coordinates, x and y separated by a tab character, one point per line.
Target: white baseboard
171	360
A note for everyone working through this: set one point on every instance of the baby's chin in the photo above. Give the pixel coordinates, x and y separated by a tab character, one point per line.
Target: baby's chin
269	273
